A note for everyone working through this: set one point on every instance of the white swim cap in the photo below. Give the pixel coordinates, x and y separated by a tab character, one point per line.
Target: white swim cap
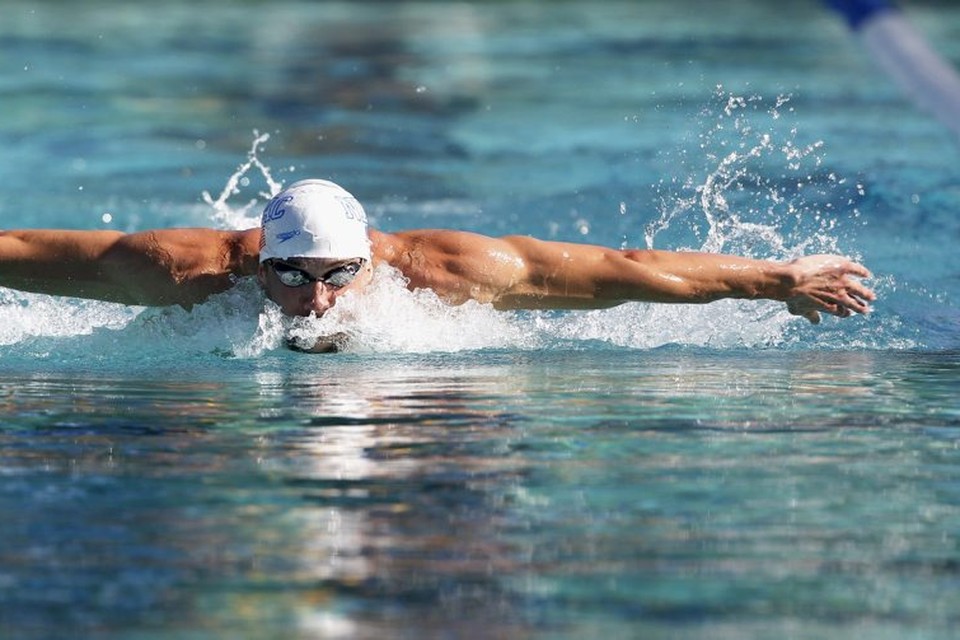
314	219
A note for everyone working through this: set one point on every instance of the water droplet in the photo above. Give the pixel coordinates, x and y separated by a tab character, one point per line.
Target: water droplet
107	218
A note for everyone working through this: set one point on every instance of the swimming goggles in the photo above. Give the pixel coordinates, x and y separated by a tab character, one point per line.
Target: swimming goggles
337	277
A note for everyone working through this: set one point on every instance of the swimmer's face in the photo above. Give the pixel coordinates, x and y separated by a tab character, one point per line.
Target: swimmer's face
302	286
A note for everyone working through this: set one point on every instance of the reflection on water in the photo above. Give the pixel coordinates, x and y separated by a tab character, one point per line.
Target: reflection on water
172	474
564	494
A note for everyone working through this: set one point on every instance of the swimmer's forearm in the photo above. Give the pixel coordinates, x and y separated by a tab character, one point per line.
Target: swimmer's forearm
595	279
582	276
809	285
695	277
54	262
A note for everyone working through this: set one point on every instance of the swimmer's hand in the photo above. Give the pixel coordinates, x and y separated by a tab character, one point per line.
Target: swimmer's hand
829	284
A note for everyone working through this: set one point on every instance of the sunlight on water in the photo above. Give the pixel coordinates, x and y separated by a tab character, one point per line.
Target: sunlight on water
749	186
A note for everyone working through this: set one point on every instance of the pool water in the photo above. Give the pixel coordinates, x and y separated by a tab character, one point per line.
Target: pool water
646	471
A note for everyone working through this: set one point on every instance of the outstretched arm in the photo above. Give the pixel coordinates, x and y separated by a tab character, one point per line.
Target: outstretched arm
518	272
160	267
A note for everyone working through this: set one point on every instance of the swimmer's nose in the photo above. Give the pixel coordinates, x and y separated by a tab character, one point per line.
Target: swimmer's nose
318	298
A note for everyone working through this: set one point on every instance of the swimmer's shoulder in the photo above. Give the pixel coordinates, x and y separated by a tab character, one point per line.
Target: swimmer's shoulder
387	247
242	250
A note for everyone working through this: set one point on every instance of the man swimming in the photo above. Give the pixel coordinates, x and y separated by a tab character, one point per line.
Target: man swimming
314	246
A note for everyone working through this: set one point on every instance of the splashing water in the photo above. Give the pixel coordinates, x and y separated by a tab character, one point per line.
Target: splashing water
25	316
756	190
388	317
223	214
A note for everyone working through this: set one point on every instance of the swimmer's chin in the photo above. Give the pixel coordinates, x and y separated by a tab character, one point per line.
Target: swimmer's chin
324	344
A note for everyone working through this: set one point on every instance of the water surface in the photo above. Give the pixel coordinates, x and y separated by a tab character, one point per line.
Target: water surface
696	471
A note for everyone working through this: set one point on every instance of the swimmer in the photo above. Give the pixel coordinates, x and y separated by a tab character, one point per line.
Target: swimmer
314	245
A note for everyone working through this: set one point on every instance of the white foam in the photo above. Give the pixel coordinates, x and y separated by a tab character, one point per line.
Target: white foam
26	315
723	324
388	318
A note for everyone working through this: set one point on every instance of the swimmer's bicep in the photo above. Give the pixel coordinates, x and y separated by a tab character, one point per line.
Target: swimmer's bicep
554	274
583	276
512	272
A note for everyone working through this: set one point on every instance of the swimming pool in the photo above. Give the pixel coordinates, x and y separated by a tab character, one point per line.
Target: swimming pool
718	471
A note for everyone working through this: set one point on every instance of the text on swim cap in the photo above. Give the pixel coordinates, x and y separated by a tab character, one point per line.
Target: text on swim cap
274	209
352	209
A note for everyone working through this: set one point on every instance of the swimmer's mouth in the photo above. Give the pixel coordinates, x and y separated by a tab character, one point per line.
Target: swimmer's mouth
324	344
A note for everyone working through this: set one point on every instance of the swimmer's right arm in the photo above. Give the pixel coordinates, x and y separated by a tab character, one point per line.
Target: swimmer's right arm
152	268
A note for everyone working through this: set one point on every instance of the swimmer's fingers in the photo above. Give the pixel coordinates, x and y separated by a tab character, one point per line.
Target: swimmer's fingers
856	269
829	284
842	304
851	296
810	306
861	293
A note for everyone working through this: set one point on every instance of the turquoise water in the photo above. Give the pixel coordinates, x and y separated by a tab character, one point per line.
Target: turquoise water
718	471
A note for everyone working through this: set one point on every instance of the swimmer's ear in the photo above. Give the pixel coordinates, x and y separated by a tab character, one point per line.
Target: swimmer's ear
262	274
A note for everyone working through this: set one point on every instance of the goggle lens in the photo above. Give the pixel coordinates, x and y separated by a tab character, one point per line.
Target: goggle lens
337	277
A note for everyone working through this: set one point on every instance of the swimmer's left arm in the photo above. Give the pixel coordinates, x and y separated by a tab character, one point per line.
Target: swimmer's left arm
563	275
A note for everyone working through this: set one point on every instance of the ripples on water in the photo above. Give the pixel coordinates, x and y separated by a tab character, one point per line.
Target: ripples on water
754	190
714	471
492	495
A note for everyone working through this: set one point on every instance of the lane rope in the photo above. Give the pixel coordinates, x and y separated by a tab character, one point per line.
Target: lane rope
901	51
